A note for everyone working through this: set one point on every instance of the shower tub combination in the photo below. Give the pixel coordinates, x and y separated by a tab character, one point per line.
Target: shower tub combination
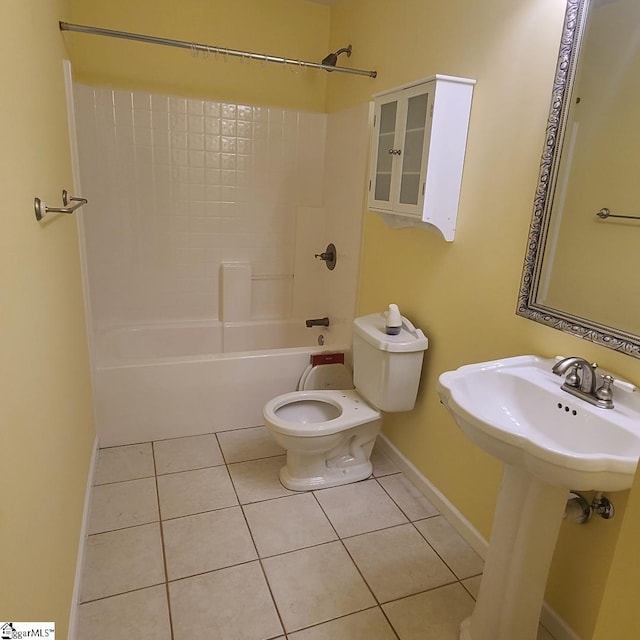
166	381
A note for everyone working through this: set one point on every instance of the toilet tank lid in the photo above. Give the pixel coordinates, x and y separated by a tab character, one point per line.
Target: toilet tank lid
372	329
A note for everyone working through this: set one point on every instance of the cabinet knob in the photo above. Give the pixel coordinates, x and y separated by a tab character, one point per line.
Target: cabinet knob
395	152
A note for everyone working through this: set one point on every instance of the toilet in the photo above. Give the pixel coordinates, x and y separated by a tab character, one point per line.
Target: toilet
329	426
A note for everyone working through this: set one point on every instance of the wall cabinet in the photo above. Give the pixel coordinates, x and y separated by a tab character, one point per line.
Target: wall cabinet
419	142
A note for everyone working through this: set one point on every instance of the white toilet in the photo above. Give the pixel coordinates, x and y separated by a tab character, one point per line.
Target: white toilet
329	428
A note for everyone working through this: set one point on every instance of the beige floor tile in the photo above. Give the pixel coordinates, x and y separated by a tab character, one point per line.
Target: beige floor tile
210	554
397	562
248	444
382	465
190	492
433	615
413	503
286	524
451	547
123	504
207	541
121	561
184	454
231	603
364	625
359	507
143	615
116	464
315	585
258	479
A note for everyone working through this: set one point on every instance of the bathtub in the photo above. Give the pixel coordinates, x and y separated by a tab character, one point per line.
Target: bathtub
167	381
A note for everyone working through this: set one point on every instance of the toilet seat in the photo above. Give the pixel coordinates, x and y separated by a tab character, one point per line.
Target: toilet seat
353	410
326	376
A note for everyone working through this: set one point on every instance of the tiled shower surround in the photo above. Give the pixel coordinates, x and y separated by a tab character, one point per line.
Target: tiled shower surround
177	186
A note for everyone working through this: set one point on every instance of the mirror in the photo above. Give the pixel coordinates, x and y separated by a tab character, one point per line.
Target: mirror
581	269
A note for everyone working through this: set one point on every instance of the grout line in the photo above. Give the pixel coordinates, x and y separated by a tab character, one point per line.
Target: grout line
133	526
417	593
379	606
173	473
122	593
122	446
104	484
259	559
277	455
164	554
224	458
464	586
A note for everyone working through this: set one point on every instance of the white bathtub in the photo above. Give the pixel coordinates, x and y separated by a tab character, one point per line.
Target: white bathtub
157	382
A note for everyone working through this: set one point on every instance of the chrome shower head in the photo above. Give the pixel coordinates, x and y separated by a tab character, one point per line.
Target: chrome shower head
332	58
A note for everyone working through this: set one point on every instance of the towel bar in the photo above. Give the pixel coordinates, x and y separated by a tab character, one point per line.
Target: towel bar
606	213
42	209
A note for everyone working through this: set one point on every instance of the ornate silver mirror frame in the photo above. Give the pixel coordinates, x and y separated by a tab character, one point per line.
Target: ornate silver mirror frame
528	307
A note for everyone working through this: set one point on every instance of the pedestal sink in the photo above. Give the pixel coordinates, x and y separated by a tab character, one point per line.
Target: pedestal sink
550	443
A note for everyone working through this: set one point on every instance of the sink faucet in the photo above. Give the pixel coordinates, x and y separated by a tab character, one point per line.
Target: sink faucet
317	322
587	383
584	385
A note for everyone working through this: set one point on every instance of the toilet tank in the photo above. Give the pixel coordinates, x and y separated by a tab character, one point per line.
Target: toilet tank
386	368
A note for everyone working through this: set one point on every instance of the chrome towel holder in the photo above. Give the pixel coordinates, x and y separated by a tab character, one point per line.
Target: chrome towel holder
606	213
42	209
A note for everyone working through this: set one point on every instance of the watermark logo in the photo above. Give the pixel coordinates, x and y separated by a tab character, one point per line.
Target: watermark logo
20	630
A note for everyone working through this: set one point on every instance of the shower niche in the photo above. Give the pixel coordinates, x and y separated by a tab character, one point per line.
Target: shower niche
419	142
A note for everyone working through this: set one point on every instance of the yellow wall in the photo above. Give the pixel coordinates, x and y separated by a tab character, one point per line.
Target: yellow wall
464	294
619	616
283	28
46	430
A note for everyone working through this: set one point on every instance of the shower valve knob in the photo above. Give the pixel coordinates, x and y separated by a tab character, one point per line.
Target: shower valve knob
330	256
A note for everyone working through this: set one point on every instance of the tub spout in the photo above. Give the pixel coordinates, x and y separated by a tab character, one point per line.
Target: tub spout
317	322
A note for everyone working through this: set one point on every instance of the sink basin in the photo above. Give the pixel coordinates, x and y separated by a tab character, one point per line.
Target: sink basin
515	410
550	442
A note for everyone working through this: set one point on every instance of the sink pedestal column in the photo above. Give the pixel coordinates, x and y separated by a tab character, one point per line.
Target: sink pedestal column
525	529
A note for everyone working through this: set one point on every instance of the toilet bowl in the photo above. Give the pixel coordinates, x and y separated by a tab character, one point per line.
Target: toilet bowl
328	435
327	427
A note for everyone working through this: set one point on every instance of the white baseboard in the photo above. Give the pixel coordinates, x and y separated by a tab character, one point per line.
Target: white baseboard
77	583
556	625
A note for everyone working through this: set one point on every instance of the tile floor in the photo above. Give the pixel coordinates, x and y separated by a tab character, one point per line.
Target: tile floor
196	538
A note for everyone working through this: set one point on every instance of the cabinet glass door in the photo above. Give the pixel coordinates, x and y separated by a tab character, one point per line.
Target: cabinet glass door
384	159
413	149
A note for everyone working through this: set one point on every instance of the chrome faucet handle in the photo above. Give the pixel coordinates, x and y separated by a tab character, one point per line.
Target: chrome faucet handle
573	379
605	392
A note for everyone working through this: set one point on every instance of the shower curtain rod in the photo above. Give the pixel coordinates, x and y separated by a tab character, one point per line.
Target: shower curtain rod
207	49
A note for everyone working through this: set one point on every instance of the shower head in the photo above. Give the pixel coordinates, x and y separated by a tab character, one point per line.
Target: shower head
332	58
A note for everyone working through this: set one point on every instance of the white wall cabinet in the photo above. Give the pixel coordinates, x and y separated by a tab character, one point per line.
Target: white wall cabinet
419	142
